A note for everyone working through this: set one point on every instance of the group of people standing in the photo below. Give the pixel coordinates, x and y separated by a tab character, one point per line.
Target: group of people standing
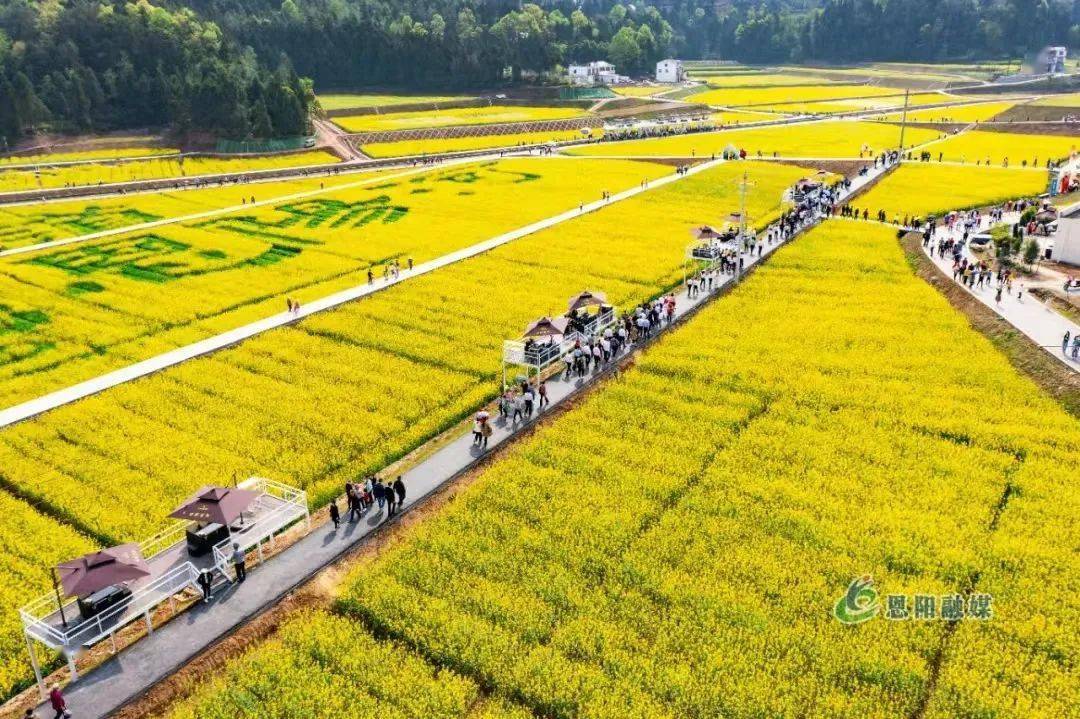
362	496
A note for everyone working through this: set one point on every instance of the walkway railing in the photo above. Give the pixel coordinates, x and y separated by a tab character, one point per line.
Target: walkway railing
59	625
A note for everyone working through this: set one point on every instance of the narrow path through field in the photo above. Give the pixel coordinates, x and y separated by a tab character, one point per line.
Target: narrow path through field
59	398
128	675
1040	323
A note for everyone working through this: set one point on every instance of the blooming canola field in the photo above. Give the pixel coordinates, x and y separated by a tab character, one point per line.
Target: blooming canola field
593	571
70	313
156	168
819	139
340	393
918	189
454	117
400	364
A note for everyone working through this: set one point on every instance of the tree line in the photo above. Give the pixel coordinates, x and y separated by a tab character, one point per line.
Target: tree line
227	66
83	65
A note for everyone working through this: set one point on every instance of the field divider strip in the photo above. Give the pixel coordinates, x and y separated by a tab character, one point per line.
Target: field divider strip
34	407
223	210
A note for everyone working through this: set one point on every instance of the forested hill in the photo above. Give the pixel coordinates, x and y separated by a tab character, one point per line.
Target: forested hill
227	65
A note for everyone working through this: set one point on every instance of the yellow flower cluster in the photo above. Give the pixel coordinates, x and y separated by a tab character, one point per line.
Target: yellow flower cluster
483	115
30	546
165	166
918	189
673	546
108	302
819	139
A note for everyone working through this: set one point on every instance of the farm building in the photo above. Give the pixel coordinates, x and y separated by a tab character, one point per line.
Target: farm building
670	71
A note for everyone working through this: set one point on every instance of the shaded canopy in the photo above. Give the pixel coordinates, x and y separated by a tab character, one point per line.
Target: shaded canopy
101	569
547	327
705	232
221	505
586	299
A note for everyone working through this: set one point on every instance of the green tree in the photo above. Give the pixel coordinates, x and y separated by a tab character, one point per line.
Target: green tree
623	50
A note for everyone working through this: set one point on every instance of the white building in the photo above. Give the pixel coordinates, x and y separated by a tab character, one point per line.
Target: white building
597	72
670	71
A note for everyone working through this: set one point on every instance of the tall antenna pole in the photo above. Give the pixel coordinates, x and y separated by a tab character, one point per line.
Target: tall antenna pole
742	223
903	120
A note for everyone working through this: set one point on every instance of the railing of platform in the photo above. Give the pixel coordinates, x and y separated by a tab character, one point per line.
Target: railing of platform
89	631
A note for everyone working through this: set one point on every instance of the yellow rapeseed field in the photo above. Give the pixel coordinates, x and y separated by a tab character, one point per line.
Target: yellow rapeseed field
1067	100
30	545
349	101
996	148
918	189
856	104
31	224
735	97
677	544
458	116
461	144
344	392
757	79
959	113
165	166
105	303
105	153
820	139
350	390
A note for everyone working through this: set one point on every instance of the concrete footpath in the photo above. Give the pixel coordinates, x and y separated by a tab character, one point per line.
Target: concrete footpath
1040	323
133	671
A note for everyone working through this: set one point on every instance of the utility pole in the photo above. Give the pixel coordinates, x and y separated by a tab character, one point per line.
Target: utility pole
742	225
903	120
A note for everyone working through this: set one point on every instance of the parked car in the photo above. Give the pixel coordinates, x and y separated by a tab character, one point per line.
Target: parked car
309	142
980	241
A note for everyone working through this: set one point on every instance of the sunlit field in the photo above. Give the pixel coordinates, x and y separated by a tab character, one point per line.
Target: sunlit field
918	189
478	142
959	113
459	116
821	139
347	101
996	148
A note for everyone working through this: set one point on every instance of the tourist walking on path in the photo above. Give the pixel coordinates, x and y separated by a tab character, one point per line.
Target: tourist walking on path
335	514
1065	342
239	562
542	391
399	489
206	583
485	431
57	702
388	493
377	490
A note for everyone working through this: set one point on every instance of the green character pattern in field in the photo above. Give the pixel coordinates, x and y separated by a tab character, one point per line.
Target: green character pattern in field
40	227
17	334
